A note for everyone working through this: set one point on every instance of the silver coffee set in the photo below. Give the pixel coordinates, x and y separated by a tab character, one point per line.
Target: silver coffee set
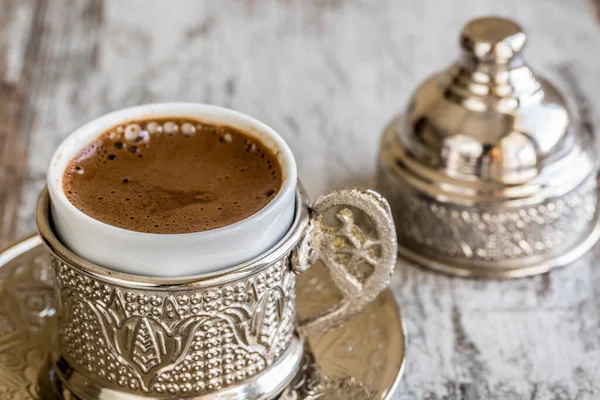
487	173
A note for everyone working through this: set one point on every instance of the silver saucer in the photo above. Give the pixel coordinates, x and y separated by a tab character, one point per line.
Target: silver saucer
364	359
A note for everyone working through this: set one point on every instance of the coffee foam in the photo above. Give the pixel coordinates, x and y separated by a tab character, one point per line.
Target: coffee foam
172	176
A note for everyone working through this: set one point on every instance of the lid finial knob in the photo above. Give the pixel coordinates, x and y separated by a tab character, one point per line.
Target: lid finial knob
492	39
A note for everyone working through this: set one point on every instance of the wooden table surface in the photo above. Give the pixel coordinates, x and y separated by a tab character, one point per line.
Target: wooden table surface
327	75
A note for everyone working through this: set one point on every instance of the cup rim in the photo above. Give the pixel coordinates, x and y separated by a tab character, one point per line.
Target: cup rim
87	133
283	247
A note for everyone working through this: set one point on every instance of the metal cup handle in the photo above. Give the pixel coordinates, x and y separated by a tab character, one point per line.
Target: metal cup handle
346	250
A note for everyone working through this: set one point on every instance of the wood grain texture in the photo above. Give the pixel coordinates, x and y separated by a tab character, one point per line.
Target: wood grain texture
19	32
327	75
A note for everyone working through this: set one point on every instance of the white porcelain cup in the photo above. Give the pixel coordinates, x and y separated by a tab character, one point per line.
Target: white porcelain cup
169	255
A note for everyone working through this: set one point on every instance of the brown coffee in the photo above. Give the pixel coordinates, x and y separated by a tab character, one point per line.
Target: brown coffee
172	176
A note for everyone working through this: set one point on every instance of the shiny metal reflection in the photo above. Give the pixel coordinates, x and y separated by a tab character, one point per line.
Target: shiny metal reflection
487	171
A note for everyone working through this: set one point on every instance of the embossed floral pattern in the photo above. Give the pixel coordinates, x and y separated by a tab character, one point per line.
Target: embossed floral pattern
190	342
484	235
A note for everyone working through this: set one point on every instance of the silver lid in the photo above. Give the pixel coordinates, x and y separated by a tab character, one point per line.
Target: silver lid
487	136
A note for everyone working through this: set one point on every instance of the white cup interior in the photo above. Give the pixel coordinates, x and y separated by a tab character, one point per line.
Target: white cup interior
88	133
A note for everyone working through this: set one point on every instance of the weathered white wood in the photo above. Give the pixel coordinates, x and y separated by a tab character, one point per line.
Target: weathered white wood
328	75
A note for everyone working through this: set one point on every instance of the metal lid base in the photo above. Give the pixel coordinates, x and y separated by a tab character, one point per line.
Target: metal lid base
497	270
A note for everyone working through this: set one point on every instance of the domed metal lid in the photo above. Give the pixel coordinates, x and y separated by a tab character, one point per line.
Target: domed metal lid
488	127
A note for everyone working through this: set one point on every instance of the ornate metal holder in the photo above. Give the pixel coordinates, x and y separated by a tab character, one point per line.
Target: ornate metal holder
487	172
361	360
231	334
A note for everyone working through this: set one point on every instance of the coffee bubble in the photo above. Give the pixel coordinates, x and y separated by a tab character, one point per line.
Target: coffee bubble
226	138
133	132
153	127
170	128
188	129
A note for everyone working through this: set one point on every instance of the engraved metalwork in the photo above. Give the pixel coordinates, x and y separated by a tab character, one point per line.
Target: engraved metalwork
191	337
371	343
175	342
311	384
469	233
347	250
27	316
488	172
